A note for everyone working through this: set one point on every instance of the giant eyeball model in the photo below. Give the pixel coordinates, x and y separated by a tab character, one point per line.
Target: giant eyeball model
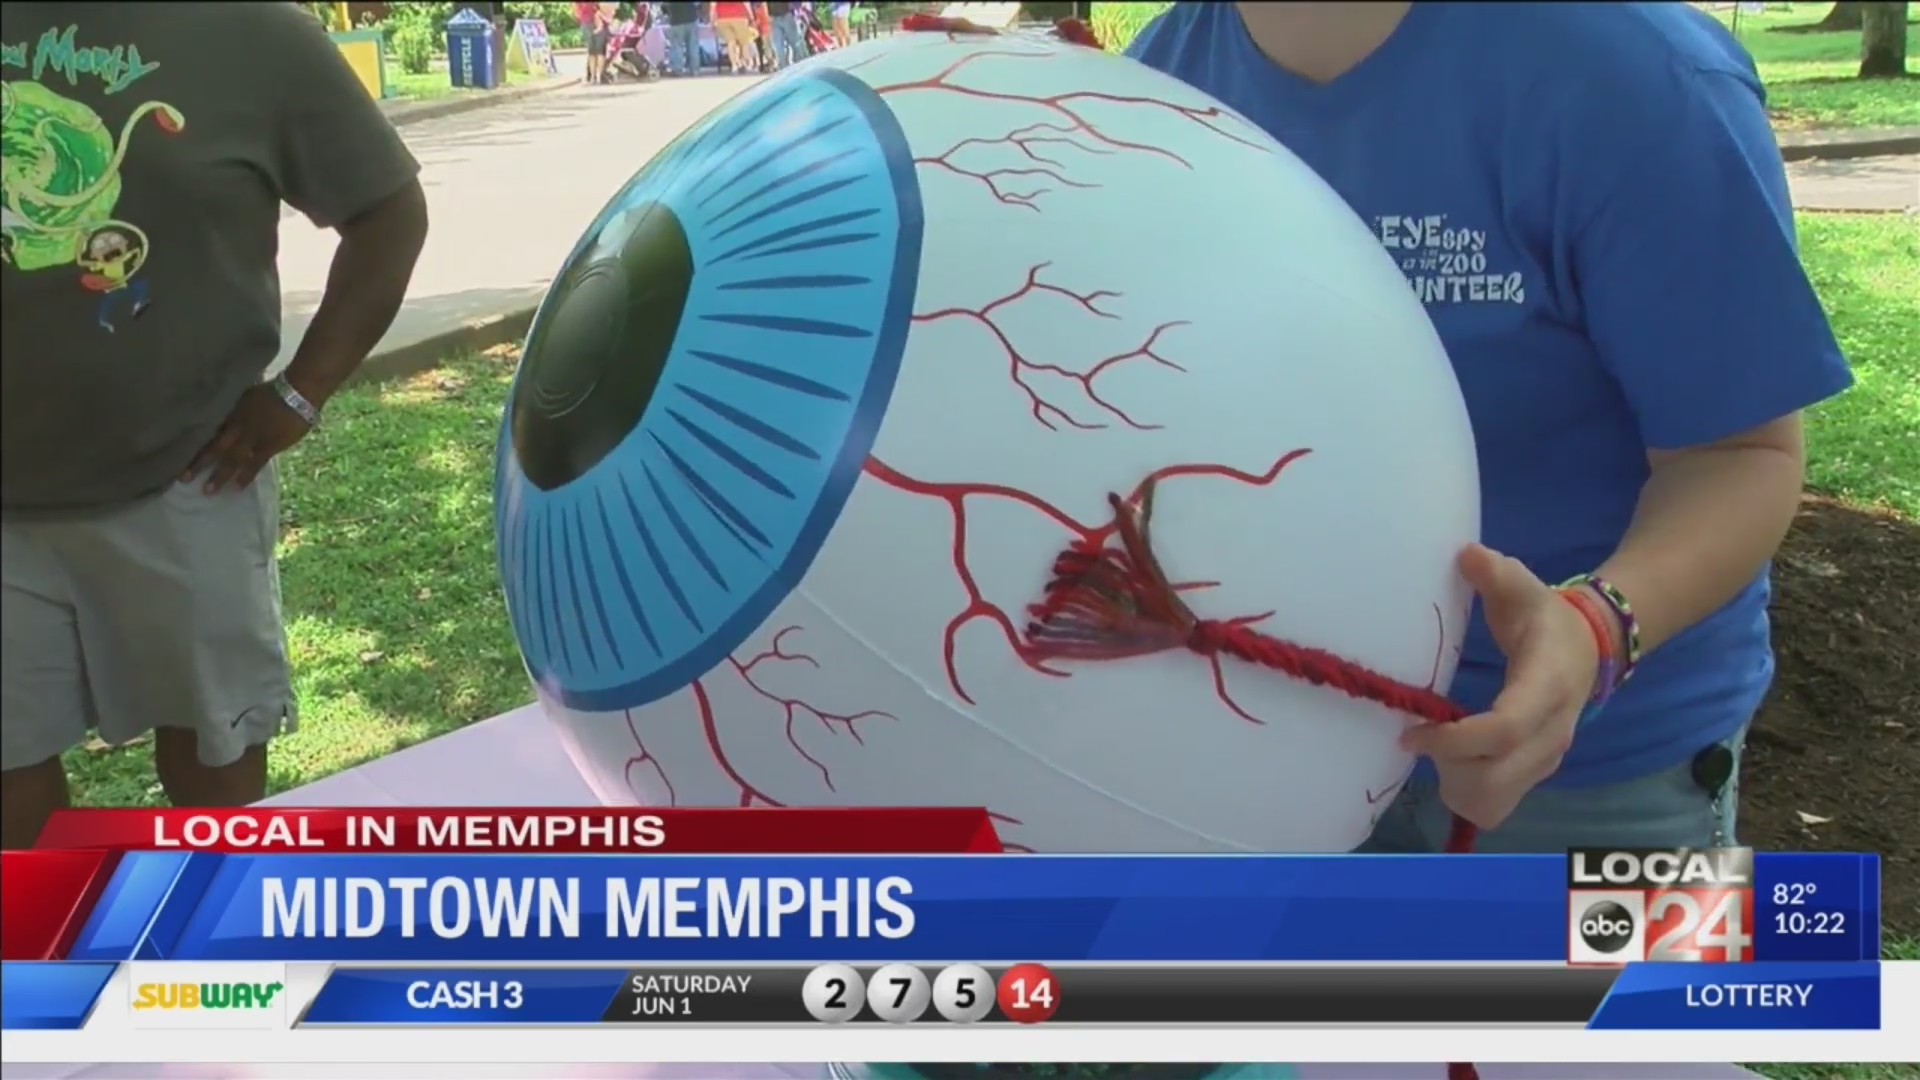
938	422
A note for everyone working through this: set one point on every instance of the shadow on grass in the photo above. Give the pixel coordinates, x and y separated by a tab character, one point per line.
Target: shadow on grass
1836	1071
1865	444
395	623
397	627
398	632
1887	82
1820	27
1842	101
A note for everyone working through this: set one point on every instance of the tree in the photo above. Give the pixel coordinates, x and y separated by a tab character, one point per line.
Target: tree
1846	15
1883	40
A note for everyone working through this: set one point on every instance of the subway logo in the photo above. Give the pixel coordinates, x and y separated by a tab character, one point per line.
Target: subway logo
206	995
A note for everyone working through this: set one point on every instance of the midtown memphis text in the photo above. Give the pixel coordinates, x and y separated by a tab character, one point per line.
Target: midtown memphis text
537	906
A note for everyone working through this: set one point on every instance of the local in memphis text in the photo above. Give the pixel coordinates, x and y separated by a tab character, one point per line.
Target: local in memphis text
582	831
521	907
382	832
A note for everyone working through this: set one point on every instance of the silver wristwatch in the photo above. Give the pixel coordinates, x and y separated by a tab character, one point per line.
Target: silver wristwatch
296	400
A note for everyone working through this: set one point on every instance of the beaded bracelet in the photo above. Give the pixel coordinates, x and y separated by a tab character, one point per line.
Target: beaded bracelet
1621	610
1607	655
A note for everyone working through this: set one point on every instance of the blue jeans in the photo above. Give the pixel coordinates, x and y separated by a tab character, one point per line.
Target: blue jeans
132	296
1666	810
786	42
683	49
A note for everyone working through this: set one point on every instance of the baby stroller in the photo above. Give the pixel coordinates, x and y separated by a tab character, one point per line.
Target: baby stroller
819	36
636	49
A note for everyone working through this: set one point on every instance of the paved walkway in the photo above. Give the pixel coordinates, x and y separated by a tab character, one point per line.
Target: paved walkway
511	187
1873	184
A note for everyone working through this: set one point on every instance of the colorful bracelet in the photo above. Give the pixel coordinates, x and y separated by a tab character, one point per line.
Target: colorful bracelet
1607	674
1622	612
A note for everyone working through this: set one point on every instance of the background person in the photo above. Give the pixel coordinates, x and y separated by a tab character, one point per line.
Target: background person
595	35
733	28
842	25
609	17
1634	337
784	35
138	501
683	37
763	35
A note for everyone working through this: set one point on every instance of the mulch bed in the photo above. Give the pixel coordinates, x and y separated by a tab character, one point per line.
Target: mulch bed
1834	760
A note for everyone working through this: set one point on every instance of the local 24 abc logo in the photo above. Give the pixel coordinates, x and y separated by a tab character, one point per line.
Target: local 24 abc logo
1684	905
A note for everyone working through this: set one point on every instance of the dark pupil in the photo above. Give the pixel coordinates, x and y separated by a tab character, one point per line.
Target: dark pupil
590	372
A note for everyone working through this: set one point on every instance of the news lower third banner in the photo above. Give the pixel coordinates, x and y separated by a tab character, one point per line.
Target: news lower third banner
1643	996
80	905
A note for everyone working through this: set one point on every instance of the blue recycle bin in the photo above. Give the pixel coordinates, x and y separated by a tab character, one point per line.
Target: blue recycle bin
470	52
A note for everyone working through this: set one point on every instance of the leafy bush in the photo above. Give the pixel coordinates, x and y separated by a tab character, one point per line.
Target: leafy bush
558	17
435	14
563	30
1116	25
414	34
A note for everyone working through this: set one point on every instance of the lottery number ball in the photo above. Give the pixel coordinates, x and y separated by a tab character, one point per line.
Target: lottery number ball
824	391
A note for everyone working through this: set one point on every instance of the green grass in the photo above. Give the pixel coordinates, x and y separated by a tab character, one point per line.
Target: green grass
1811	77
1865	445
1116	25
396	624
398	632
394	619
436	83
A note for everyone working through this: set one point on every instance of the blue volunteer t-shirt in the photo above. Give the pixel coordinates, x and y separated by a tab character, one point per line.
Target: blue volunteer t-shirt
1590	203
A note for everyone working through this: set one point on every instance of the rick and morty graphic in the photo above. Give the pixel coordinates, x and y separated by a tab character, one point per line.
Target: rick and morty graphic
60	172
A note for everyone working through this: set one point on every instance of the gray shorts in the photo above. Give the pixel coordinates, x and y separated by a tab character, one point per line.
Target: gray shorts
162	614
1666	810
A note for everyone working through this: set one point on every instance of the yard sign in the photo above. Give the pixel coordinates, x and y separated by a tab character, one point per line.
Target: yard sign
529	46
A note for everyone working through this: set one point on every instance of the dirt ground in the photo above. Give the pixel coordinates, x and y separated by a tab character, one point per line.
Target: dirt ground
1834	760
1833	763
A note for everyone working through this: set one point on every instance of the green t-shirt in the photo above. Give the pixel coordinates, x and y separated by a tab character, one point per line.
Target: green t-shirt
148	151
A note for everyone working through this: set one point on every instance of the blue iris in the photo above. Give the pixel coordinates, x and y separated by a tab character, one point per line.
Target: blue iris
701	387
